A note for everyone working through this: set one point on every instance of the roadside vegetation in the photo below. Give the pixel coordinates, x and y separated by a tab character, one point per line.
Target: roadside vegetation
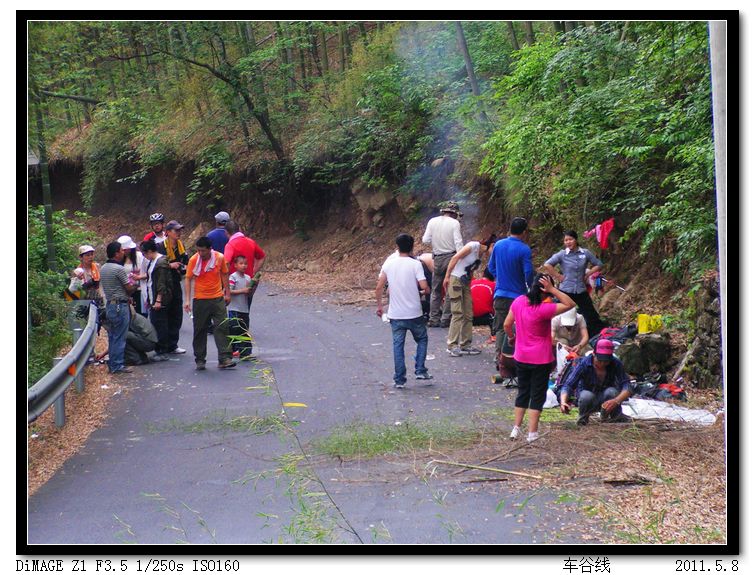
48	329
569	122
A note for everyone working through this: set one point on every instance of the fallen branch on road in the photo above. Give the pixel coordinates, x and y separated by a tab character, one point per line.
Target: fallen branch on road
502	455
481	468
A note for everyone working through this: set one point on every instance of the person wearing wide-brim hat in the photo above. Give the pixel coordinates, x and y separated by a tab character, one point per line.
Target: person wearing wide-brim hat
443	233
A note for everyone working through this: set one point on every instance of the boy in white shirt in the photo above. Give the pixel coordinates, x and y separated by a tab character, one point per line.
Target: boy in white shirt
238	309
406	278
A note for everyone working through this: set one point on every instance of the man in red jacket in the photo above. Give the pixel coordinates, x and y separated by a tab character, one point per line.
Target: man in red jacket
239	244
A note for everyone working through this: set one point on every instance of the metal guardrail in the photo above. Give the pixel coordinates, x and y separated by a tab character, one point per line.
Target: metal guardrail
51	388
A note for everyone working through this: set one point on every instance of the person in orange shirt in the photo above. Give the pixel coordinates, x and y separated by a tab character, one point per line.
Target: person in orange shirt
207	271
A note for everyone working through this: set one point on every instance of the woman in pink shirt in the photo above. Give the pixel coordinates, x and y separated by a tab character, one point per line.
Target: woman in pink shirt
533	348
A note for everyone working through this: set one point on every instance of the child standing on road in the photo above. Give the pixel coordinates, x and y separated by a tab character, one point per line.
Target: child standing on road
238	310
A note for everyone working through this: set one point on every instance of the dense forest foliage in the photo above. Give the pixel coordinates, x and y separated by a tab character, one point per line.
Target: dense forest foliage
571	122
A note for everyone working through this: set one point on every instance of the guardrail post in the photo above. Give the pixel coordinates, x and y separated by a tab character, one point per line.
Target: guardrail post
60	402
79	379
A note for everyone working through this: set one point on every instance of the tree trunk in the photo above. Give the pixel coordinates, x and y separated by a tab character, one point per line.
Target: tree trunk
363	32
284	63
43	170
258	80
624	31
324	44
347	40
569	26
558	26
244	127
314	51
291	77
241	29
265	126
512	33
341	46
285	55
303	68
529	33
462	41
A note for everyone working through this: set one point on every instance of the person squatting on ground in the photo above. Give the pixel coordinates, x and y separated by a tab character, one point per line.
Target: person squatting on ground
598	382
175	253
238	309
573	261
159	295
239	244
443	233
207	272
457	285
533	350
117	290
510	264
570	330
482	290
406	279
141	338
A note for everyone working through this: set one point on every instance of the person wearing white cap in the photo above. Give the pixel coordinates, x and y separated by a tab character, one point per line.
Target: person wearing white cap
218	237
570	329
88	274
136	268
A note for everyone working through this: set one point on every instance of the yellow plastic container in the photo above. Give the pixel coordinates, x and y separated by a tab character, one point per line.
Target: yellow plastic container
649	323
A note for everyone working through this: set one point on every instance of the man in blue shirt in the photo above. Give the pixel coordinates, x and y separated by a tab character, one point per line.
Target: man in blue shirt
511	266
597	381
218	236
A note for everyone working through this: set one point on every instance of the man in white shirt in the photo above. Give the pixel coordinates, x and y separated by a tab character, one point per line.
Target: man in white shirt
443	232
406	279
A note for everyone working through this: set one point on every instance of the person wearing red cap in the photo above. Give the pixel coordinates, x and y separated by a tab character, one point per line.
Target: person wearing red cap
599	382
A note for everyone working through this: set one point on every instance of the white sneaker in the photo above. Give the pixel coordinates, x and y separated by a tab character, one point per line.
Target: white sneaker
178	350
515	432
532	436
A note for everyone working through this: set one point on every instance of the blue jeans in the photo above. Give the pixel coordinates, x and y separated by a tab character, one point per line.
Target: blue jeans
399	327
590	402
118	318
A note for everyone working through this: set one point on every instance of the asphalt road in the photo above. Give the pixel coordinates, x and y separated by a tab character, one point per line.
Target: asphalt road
205	457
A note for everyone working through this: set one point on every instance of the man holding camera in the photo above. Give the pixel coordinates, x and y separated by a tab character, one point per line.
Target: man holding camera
173	250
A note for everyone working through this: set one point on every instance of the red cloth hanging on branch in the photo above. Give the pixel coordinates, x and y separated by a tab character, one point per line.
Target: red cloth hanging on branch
601	232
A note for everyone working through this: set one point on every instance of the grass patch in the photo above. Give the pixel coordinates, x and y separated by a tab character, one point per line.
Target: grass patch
221	421
549	415
359	439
